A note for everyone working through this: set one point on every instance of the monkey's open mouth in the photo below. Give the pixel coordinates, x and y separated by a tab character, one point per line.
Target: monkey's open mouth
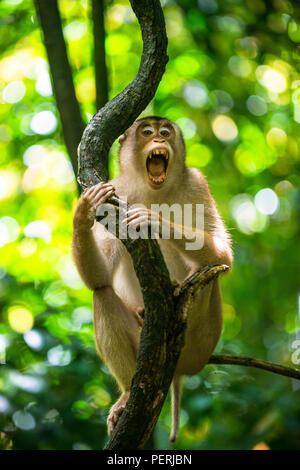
157	165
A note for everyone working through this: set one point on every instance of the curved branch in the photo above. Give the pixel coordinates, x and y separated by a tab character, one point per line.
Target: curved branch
258	363
159	350
67	104
119	113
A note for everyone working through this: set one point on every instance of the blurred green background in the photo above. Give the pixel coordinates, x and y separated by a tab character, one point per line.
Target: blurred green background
233	85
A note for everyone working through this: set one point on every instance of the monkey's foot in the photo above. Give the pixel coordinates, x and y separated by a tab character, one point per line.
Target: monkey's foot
116	411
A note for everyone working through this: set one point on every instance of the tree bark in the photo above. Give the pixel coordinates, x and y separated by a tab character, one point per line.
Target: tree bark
67	104
98	15
117	115
161	342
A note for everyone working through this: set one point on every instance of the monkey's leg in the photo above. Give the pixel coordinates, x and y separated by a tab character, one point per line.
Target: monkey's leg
117	339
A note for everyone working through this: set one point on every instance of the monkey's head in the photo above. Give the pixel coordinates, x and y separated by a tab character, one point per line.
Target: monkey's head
154	148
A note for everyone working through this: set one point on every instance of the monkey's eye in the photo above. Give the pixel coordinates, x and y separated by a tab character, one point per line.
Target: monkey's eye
148	130
164	131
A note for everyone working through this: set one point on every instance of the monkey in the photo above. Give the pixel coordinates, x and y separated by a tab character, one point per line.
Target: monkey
152	158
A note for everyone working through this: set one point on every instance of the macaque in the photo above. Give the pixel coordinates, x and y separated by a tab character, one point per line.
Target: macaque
152	171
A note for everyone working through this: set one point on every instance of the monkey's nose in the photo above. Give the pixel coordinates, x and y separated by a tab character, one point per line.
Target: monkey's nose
157	139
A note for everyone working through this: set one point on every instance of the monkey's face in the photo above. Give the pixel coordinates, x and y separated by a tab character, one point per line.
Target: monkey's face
155	149
155	146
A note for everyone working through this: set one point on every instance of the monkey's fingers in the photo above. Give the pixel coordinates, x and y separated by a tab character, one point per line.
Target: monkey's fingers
135	213
137	222
103	195
101	188
137	210
96	188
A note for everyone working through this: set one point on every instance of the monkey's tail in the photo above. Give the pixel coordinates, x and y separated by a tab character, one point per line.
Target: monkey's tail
175	400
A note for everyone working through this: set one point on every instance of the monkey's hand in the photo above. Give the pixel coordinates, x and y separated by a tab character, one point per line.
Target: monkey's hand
90	199
142	217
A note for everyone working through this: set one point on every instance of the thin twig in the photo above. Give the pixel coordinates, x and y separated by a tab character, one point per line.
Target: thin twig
258	363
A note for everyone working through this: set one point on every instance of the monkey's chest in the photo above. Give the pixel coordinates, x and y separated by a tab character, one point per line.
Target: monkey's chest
127	285
177	265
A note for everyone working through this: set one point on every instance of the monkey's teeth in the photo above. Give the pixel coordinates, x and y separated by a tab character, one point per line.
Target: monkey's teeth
162	152
158	179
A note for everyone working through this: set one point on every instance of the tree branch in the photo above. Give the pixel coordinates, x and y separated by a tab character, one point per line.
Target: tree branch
68	107
117	115
258	363
160	345
98	14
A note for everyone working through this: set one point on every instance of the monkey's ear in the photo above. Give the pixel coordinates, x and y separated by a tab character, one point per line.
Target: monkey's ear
121	139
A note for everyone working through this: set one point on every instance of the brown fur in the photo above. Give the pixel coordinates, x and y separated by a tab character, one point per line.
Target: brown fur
106	267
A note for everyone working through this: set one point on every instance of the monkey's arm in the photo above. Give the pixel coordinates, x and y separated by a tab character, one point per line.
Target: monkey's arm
203	246
92	248
204	241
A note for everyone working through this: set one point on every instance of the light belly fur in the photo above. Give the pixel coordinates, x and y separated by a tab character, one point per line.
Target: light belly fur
204	323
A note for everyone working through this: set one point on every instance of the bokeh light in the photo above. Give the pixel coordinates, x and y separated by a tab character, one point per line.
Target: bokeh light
196	95
224	101
276	138
14	92
58	356
248	218
5	406
224	128
26	382
68	272
24	420
257	105
20	319
34	67
187	126
34	339
239	66
9	181
43	84
266	201
75	30
38	229
43	123
34	156
82	316
271	79
9	230
63	172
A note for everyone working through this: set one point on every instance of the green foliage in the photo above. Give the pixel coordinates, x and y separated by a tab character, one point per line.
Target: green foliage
233	86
